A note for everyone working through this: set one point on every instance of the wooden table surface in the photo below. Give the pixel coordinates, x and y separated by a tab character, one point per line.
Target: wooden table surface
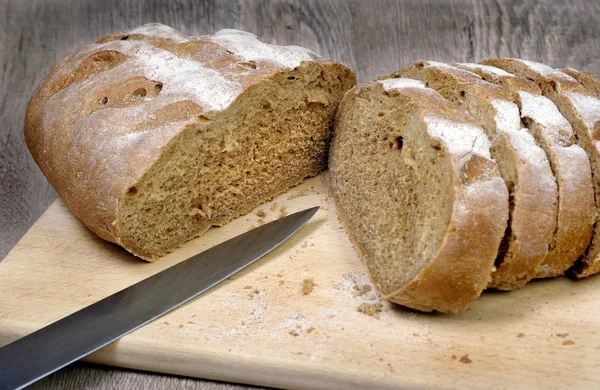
372	37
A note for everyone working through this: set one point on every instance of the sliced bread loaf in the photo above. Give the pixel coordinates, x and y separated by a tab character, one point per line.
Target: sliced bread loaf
523	165
422	200
151	136
590	81
570	165
582	109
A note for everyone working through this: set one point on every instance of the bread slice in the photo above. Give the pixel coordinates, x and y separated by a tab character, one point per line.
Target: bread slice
151	137
421	198
582	109
589	80
523	165
570	165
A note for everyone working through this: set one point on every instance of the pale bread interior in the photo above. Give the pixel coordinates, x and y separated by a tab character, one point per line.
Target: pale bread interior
392	186
273	136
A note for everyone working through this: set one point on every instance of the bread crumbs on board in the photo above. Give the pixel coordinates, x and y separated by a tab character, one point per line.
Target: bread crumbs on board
308	286
282	212
298	194
362	290
261	213
273	206
465	359
370	309
358	286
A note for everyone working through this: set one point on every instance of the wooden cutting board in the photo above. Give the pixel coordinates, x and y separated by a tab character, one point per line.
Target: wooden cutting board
263	327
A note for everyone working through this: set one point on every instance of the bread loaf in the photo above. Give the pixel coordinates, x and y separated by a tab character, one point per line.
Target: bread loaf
582	109
570	165
523	165
151	137
421	199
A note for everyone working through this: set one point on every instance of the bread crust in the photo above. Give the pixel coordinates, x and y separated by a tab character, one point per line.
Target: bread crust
107	112
533	188
582	109
589	80
462	265
570	165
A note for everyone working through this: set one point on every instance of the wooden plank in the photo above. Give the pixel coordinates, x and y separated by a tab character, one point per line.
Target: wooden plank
261	328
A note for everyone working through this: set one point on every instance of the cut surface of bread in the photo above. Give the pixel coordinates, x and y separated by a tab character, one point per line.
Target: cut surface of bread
152	137
570	165
421	199
582	109
523	165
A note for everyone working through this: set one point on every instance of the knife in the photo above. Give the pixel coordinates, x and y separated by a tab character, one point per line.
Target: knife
73	337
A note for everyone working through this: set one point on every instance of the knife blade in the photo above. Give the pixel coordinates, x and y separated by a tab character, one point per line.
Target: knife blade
47	350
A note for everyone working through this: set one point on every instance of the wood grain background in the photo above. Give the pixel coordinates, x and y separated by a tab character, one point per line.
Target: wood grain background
372	37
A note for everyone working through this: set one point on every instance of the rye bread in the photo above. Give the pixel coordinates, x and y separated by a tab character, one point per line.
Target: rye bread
421	198
151	137
582	109
523	165
570	165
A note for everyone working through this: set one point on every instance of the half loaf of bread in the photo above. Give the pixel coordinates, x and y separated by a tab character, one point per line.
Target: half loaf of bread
151	136
523	165
422	200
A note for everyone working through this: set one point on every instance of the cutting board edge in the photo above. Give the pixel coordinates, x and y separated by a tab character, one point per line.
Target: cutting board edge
271	372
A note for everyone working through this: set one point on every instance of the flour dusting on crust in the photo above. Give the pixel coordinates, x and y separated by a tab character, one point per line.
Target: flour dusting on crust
588	107
251	48
543	111
507	115
488	69
189	79
441	65
461	139
389	84
546	71
157	30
